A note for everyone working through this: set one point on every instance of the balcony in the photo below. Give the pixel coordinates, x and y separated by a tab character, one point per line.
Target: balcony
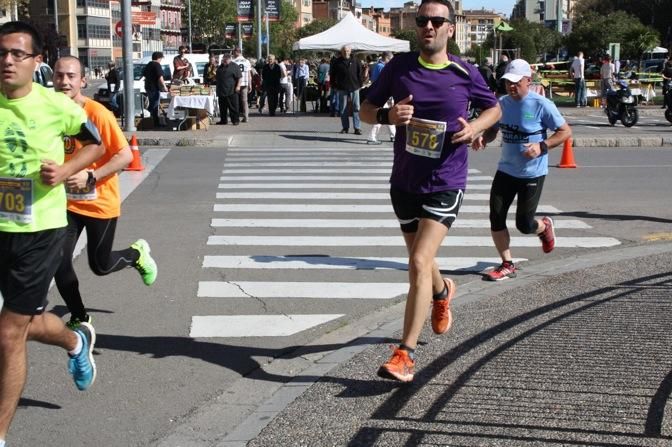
172	4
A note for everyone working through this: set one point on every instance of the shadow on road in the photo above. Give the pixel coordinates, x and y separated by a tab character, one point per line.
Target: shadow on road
593	364
236	358
617	217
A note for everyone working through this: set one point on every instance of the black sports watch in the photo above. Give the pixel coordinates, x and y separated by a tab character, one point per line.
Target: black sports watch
544	148
90	180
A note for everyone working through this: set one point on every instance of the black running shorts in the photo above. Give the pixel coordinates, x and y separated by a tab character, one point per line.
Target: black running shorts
27	266
440	206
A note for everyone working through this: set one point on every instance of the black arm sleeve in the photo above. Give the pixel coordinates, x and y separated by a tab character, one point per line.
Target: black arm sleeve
88	133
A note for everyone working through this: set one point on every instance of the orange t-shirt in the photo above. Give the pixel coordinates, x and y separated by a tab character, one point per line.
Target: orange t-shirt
107	203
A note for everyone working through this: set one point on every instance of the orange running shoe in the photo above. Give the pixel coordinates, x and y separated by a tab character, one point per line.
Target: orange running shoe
442	317
400	366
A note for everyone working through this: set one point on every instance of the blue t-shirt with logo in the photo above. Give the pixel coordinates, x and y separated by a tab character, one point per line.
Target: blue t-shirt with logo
526	121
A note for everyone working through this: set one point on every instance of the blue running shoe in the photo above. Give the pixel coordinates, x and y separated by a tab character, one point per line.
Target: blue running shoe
81	366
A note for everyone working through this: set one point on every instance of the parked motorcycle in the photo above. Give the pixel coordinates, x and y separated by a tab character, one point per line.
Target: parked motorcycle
622	105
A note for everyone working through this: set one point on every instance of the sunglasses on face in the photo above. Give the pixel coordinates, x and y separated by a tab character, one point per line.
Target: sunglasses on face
437	22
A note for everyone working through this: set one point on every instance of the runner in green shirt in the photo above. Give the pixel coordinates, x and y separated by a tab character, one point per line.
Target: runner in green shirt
33	122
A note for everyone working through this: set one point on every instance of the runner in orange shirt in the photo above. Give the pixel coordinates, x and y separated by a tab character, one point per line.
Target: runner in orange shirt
93	199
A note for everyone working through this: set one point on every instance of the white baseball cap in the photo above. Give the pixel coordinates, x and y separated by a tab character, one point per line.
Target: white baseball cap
517	70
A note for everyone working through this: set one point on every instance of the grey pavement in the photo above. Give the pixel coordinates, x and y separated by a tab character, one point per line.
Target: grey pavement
572	352
300	129
576	351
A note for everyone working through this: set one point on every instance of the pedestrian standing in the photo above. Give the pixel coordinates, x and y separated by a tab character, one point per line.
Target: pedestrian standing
228	86
33	121
154	85
429	173
94	201
526	119
500	69
286	92
245	82
210	70
667	81
347	75
375	73
270	79
606	78
302	75
323	84
577	71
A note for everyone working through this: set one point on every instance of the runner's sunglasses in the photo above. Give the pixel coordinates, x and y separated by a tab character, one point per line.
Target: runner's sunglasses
437	21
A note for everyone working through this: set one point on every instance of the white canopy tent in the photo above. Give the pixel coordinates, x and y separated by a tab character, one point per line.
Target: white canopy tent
348	31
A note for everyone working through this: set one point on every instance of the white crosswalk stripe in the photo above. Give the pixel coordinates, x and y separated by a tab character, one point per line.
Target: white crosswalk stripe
313	208
273	204
398	241
365	223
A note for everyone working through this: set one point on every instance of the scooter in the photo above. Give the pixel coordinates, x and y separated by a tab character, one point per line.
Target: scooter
621	104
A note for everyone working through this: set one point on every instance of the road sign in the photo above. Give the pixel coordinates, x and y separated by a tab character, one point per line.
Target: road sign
118	29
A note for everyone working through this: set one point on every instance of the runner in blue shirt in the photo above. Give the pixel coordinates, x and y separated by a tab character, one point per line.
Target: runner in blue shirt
431	91
524	163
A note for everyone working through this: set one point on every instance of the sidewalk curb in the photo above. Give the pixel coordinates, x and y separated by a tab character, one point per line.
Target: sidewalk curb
580	142
257	401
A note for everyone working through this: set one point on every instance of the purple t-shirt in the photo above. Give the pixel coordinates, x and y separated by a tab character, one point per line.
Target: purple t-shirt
440	95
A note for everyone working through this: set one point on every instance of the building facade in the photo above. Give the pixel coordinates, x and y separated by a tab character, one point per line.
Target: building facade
479	25
304	8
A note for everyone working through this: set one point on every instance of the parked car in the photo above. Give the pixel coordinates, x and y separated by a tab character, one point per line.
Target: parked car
44	75
592	71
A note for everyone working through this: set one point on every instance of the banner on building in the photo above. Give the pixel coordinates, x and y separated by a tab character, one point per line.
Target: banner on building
143	17
230	31
248	30
245	11
272	8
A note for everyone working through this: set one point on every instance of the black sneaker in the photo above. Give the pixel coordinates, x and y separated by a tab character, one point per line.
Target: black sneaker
358	131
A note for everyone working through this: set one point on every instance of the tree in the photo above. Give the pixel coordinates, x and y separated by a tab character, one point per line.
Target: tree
209	18
453	48
593	32
316	27
408	35
283	32
532	39
654	13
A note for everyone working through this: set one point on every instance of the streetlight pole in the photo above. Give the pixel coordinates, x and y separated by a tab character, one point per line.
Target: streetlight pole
189	13
58	50
127	55
258	29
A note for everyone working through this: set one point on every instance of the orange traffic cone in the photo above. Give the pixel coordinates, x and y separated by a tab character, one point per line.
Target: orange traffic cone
567	159
136	163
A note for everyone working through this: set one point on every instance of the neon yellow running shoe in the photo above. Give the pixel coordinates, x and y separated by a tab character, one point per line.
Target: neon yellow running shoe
145	264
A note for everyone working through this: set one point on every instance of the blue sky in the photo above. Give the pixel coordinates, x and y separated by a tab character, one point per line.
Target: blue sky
503	6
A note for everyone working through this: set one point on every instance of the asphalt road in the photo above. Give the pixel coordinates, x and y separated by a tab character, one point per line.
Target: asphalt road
158	357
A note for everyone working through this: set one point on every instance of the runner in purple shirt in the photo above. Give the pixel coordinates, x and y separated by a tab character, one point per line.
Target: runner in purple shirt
431	91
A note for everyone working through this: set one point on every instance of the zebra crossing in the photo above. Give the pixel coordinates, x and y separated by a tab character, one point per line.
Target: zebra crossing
318	225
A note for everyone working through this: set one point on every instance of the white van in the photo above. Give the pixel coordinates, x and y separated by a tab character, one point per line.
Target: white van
198	61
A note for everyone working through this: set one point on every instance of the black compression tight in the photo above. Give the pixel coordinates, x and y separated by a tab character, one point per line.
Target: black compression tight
102	260
504	189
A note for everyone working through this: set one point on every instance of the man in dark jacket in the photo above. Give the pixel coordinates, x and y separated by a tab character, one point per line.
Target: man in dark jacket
346	76
270	83
154	85
228	86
